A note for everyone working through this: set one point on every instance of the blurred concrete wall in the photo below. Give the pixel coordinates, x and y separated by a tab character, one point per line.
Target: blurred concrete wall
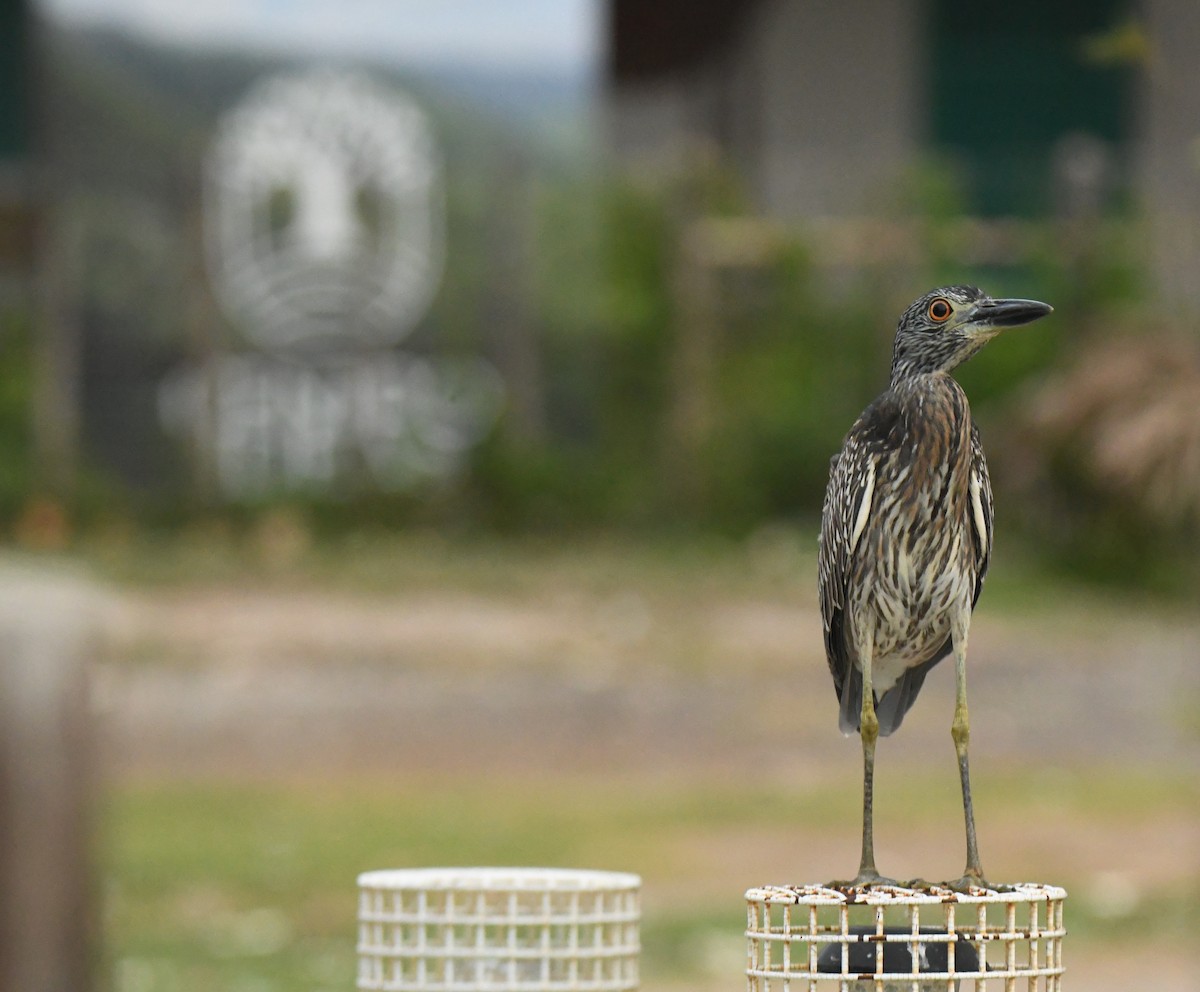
819	115
843	146
1167	153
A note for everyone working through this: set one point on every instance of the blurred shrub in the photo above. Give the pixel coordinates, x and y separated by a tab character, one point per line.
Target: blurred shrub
1111	466
801	348
16	439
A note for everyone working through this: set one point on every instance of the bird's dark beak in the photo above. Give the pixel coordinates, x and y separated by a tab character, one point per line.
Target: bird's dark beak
1009	313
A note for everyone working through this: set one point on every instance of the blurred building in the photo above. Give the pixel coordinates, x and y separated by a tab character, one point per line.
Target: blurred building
1043	107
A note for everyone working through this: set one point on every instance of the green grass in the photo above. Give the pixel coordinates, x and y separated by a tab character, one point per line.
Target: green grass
220	886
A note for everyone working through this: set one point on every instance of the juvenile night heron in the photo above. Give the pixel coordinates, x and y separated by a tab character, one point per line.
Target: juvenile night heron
906	534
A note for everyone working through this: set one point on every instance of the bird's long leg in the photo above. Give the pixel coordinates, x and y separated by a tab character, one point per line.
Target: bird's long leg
960	730
869	730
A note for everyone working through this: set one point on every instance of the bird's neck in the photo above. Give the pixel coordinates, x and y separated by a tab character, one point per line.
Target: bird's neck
907	365
909	375
917	387
911	362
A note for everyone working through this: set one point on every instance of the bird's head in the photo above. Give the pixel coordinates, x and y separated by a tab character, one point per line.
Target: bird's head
947	326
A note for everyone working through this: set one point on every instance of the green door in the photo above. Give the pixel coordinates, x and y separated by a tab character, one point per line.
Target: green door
1009	79
14	81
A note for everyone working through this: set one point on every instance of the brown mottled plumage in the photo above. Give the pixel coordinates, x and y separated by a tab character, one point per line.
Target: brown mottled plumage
906	533
920	436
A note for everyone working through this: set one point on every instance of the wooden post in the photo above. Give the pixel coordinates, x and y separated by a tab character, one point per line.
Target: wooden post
708	247
202	321
691	375
57	349
48	927
508	313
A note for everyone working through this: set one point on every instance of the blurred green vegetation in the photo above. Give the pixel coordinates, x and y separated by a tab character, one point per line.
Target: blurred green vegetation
799	347
16	441
599	276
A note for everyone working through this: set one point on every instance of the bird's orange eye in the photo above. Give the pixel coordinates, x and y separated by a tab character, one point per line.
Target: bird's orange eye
939	310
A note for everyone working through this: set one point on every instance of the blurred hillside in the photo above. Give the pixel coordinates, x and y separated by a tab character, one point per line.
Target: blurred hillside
108	68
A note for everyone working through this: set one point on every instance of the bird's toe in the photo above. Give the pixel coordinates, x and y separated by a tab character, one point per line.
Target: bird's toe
971	883
863	881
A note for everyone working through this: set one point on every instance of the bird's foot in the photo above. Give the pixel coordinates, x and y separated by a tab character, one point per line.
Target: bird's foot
863	880
972	881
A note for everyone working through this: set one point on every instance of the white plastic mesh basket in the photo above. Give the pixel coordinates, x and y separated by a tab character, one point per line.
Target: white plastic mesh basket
894	939
511	929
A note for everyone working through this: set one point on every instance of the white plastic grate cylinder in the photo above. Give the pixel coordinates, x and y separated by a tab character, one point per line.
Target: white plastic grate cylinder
511	929
895	939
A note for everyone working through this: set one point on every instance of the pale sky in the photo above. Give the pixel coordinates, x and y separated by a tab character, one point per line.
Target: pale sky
518	33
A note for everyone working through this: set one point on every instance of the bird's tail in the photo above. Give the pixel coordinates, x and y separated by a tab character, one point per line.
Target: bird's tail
889	708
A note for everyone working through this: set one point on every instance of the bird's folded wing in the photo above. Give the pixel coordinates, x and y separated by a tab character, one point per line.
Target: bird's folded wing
981	511
844	519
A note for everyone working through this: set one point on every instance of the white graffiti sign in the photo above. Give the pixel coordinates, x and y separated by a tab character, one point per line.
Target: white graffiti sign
388	422
324	209
324	218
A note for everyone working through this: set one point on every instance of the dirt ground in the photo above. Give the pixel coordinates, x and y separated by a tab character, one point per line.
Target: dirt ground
219	681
